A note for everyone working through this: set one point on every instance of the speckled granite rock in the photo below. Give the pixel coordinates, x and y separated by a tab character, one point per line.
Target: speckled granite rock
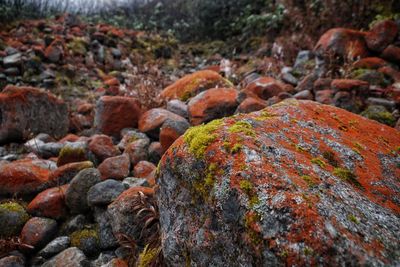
298	183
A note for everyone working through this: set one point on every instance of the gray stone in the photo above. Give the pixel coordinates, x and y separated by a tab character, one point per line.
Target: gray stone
106	237
14	60
12	261
135	182
105	192
178	107
76	195
54	247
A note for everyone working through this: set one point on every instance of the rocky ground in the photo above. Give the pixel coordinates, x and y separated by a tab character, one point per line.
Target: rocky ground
298	165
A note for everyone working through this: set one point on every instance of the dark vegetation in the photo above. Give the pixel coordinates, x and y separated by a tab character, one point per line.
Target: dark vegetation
213	19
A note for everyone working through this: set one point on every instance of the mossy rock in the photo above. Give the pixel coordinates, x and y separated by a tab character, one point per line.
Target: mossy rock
380	114
78	46
69	154
373	77
13	217
86	240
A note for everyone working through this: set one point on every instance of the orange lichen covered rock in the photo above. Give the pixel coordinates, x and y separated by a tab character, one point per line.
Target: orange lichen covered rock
24	111
212	104
349	44
151	121
114	113
265	88
381	35
50	203
298	183
25	176
192	84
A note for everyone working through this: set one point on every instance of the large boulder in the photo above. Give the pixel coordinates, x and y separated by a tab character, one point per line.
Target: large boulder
298	183
24	111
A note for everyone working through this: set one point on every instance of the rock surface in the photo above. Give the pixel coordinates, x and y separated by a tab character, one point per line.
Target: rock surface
299	183
24	111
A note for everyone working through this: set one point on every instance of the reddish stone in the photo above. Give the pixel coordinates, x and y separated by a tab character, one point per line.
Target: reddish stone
322	84
293	163
25	111
112	82
117	263
137	150
143	169
324	96
381	35
79	122
65	173
54	52
392	54
370	63
266	87
115	168
391	72
37	232
212	104
251	104
170	131
192	84
69	138
85	108
114	113
342	42
49	203
151	121
102	147
24	176
155	152
349	85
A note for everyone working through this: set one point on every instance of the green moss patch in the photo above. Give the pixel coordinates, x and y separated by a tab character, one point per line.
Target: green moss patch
347	175
243	127
198	138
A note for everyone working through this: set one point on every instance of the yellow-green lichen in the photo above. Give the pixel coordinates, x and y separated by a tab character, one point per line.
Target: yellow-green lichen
308	251
249	221
203	186
243	127
78	237
198	138
246	186
319	162
75	152
148	256
347	175
236	148
308	180
265	115
12	218
353	219
330	157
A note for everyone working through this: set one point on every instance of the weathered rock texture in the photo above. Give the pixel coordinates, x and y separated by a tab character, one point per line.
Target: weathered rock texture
298	183
26	111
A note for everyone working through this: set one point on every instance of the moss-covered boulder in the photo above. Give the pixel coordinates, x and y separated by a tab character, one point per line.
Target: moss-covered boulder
13	216
86	240
380	114
298	183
